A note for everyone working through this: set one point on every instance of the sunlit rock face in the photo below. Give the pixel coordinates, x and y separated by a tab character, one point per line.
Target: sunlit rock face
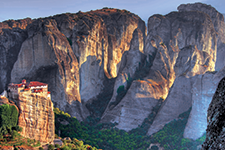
133	108
188	48
215	120
99	40
126	111
47	56
101	51
218	22
183	44
73	53
130	111
177	102
10	24
204	85
36	117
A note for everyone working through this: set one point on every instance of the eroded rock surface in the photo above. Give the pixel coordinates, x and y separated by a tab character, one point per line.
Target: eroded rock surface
195	41
202	91
74	53
182	44
215	119
36	117
78	55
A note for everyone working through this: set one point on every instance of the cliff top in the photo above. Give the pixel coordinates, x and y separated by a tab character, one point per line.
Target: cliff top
23	23
208	9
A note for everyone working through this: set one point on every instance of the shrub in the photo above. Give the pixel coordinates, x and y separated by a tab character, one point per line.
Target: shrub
41	148
14	134
8	116
65	148
120	89
57	146
51	147
17	128
70	41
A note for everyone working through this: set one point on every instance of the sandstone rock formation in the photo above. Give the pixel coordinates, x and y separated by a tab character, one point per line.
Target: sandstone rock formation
218	22
183	44
131	64
74	53
197	55
215	118
10	43
203	88
36	117
80	54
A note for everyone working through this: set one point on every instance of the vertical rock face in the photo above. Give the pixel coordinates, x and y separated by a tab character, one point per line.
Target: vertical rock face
73	53
215	118
10	43
176	103
182	44
203	89
125	112
48	50
197	47
78	54
36	117
12	35
218	22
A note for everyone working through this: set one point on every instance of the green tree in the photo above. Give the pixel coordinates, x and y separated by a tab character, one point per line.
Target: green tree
51	147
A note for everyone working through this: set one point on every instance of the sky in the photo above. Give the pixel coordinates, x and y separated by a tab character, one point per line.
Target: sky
19	9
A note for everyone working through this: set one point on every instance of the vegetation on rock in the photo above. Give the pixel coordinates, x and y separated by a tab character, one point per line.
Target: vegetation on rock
9	130
106	136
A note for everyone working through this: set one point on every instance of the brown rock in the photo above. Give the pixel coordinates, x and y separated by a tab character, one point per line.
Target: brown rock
76	53
23	147
10	24
7	147
36	115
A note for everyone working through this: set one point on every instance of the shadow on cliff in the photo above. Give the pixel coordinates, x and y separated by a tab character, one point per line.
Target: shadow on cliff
99	82
47	74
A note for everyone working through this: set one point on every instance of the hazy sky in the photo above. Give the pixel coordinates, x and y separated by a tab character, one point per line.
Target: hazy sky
18	9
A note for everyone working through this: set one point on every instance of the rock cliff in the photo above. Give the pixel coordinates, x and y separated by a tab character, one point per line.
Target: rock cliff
215	119
74	53
178	46
202	90
12	35
102	62
36	117
198	54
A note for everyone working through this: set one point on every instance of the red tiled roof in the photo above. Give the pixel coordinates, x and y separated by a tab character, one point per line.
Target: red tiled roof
31	84
27	89
36	83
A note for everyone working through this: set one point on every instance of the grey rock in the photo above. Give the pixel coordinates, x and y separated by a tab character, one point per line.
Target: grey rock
215	120
133	108
177	102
